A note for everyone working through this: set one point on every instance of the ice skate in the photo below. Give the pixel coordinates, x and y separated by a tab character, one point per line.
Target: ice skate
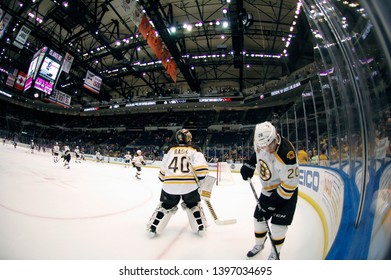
273	256
152	232
201	231
255	250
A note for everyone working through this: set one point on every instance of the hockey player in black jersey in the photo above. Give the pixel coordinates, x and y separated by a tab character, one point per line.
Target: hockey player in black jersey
67	157
179	183
278	170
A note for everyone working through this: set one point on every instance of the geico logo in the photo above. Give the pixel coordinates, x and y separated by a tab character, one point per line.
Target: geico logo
309	179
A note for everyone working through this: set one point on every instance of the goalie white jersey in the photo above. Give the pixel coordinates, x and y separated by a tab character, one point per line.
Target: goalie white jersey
175	172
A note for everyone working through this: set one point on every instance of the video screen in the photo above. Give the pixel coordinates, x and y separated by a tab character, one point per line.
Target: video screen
49	69
32	67
43	85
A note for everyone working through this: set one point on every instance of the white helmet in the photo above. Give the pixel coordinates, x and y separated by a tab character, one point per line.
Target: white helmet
138	152
264	134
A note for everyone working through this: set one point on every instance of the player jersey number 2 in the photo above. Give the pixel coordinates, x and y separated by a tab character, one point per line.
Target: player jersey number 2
181	163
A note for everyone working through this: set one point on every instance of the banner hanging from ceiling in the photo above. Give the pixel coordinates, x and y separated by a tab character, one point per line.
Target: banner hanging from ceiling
92	82
20	80
68	60
4	22
133	9
156	44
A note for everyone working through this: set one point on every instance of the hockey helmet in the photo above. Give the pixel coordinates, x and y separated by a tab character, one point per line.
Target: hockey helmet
183	136
264	135
138	152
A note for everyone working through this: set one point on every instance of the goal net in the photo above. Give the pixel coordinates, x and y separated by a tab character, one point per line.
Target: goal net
223	173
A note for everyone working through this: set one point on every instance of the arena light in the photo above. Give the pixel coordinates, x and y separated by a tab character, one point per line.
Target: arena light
292	27
5	93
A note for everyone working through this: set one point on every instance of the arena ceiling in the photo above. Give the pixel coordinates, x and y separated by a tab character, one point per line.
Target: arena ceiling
216	45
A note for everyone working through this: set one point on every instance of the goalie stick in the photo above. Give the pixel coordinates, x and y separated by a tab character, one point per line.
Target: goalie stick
267	225
216	219
209	205
149	161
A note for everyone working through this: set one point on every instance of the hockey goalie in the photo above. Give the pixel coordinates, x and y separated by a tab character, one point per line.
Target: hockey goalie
180	183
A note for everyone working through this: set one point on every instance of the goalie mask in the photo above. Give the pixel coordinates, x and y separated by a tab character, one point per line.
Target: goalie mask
183	136
264	135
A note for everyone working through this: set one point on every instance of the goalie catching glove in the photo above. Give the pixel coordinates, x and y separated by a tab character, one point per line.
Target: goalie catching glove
206	185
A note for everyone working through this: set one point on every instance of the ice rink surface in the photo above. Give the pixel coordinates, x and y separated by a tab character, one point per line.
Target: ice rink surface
99	211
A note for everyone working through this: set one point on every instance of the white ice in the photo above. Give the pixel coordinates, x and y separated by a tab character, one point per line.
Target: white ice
99	211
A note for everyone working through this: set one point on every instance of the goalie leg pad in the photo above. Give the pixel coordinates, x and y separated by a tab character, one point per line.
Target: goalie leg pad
160	218
196	217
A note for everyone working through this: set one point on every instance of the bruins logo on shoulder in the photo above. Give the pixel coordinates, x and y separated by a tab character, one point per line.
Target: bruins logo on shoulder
264	171
291	155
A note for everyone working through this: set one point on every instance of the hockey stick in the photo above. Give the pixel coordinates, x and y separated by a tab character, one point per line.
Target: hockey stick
267	225
209	205
149	160
216	219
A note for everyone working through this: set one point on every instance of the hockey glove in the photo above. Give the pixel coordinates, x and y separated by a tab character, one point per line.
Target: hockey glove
134	165
143	162
247	171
